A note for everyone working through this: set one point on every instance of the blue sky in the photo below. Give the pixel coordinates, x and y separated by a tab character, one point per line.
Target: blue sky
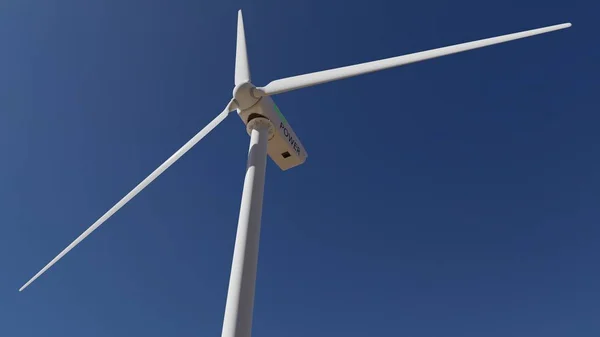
453	197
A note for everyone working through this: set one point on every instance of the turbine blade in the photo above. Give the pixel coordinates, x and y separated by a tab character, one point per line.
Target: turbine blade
306	80
242	69
230	107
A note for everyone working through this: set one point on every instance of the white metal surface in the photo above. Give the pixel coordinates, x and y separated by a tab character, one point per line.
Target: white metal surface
242	68
285	148
237	321
306	80
185	148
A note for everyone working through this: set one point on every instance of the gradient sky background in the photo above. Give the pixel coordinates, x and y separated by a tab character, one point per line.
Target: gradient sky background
453	197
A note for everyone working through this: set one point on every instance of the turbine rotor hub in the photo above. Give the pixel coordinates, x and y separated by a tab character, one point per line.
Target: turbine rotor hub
244	95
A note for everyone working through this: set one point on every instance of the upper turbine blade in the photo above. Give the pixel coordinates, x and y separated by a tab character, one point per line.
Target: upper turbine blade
242	68
306	80
230	107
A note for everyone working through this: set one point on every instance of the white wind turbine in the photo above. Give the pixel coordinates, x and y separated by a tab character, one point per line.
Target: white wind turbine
270	134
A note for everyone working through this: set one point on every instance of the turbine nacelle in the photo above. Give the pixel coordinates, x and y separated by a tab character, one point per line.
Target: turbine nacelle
284	148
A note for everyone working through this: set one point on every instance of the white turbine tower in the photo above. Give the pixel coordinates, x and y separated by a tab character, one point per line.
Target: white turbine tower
270	134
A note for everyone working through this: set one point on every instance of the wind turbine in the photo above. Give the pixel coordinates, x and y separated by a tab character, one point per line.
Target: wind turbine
270	134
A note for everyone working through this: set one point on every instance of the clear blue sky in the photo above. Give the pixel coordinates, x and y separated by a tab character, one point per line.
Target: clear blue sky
453	197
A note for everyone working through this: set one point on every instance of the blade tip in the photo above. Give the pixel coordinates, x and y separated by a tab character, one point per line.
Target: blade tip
27	284
564	25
